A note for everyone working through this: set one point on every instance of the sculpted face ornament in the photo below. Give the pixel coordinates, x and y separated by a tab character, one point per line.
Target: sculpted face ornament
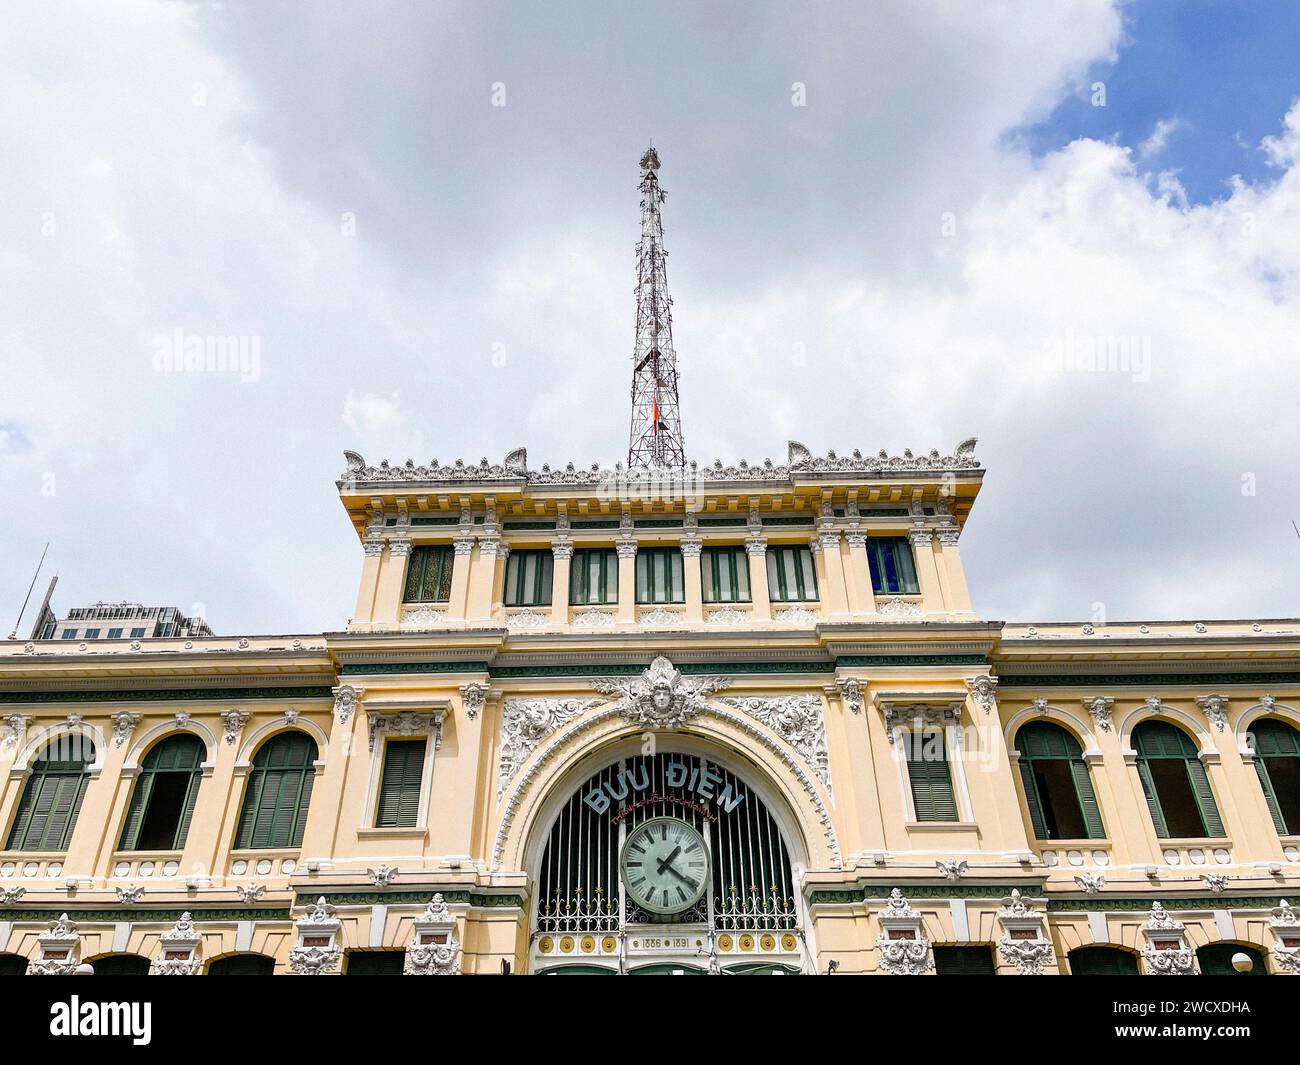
661	697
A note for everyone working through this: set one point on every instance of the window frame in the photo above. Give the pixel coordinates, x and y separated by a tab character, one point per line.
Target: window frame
1197	776
777	592
878	565
389	744
580	576
1088	807
542	592
141	796
738	564
416	579
256	776
909	738
18	838
1276	726
674	573
422	722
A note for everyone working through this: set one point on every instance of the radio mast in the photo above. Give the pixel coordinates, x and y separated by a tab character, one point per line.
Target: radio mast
656	437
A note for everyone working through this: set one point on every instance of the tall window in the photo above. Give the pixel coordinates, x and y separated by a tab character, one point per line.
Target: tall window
593	578
659	575
1277	761
1058	789
162	802
528	578
930	776
428	574
893	569
399	787
1175	782
278	792
790	574
725	572
51	799
1215	959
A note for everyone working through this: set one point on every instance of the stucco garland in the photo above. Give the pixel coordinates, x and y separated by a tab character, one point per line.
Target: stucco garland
515	800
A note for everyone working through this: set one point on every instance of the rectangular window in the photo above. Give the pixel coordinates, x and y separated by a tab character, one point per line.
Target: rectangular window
69	634
114	634
399	787
893	569
92	634
137	634
930	776
790	574
528	578
594	577
725	574
659	575
428	574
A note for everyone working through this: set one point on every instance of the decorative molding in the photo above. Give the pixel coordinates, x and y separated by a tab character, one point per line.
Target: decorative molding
1099	708
984	690
851	692
728	615
1216	882
474	697
15	728
1215	708
124	723
309	957
405	723
660	697
952	869
594	619
899	714
382	877
129	895
250	893
795	615
1090	883
10	895
672	619
178	953
798	720
233	722
527	619
434	949
525	723
898	607
60	946
346	700
424	615
904	949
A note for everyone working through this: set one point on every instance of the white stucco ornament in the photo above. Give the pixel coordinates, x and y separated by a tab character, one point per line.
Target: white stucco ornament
660	697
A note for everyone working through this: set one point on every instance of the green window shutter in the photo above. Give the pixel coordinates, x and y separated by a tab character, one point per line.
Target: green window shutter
964	961
428	574
278	795
399	789
63	815
1087	798
1270	796
187	810
930	778
1102	961
248	815
23	818
1153	800
1031	798
1204	797
135	813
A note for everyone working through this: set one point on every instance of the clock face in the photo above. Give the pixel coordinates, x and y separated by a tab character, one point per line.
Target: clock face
665	865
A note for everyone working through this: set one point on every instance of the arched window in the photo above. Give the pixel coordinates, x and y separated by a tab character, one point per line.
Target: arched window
1103	961
121	965
1215	959
1277	761
375	962
13	965
162	802
1175	782
1058	789
964	961
51	799
242	965
278	792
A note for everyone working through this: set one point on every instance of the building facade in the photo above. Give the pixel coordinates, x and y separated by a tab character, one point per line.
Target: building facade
713	719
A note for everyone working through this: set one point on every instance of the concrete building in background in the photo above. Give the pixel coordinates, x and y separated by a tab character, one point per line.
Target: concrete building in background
117	621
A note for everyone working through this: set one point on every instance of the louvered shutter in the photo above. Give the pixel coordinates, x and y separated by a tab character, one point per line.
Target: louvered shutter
1153	801
1087	798
1031	799
1270	796
248	815
1204	797
399	789
135	813
931	781
187	810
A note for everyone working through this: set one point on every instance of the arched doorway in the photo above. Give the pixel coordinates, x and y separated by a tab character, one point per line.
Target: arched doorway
120	965
666	863
1215	959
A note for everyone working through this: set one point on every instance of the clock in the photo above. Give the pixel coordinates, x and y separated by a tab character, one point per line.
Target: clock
665	865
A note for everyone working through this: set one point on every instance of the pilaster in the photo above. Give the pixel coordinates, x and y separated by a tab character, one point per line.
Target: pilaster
927	570
756	549
562	552
627	581
694	582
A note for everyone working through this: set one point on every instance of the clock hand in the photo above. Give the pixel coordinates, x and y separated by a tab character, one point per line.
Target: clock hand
669	860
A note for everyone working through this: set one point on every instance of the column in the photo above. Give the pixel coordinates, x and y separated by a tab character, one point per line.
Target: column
694	583
756	549
95	835
458	602
826	545
627	581
563	554
218	801
392	582
482	580
327	812
364	613
927	571
857	575
958	594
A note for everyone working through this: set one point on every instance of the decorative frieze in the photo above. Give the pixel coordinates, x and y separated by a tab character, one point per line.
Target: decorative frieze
662	618
795	615
527	619
406	723
524	723
728	615
1023	943
594	619
918	715
898	607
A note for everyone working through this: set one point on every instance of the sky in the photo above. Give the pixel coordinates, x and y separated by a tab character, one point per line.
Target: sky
1067	227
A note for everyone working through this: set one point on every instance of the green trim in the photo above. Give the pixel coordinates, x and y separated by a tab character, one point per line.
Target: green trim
597	523
1140	680
368	669
527	526
143	695
911	660
792	519
448	520
658	523
379	898
136	915
722	523
1036	893
921	891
